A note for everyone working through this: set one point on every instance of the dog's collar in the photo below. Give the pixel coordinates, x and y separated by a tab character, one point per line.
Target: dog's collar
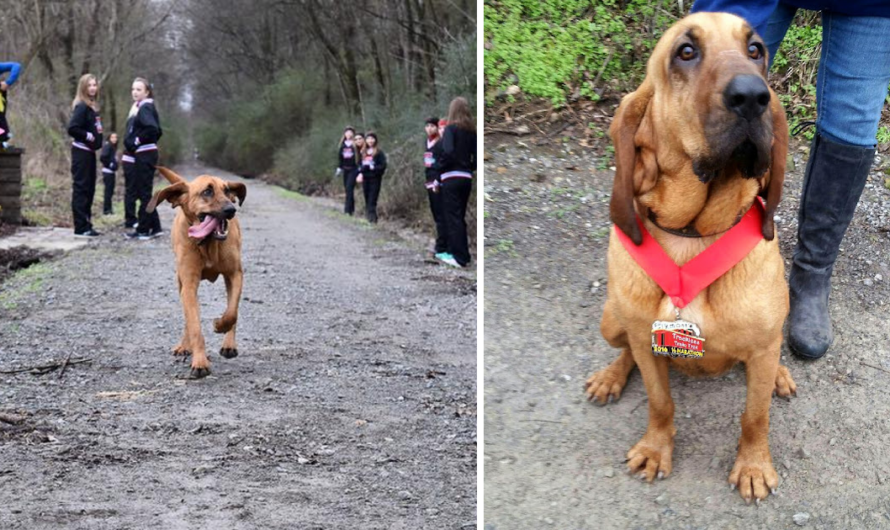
689	230
683	284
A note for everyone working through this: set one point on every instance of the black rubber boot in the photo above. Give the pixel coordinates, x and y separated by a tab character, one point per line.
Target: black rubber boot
835	176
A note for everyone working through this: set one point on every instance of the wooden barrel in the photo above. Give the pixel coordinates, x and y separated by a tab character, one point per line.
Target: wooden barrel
11	185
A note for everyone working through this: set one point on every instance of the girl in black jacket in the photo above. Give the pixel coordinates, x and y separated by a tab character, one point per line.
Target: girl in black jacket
457	164
141	156
371	174
347	164
108	158
431	156
85	127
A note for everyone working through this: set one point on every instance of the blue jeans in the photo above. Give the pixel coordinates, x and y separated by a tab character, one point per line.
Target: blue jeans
854	72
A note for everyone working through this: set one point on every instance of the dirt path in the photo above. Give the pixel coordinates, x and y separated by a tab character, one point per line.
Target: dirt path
553	460
352	403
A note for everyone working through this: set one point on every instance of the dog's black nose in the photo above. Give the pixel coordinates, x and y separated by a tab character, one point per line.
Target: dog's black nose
747	95
229	210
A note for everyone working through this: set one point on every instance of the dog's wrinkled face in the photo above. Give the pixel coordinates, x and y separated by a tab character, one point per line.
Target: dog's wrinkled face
211	202
703	111
714	95
207	202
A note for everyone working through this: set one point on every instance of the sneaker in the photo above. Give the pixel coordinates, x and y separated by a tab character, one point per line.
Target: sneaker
448	259
133	225
135	235
88	233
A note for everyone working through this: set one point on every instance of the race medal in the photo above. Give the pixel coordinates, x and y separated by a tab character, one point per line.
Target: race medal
677	339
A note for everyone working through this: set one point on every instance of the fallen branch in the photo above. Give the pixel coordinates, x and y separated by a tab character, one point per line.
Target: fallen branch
64	365
46	368
875	367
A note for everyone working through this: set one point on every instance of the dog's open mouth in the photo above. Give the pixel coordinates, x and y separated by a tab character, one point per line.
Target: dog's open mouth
215	225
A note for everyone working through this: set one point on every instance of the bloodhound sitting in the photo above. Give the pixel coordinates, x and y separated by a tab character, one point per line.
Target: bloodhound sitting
695	145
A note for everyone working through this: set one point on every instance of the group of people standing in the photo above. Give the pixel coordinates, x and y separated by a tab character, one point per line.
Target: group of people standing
143	130
361	161
449	160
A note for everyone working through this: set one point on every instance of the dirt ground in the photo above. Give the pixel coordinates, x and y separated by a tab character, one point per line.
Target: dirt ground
553	460
352	403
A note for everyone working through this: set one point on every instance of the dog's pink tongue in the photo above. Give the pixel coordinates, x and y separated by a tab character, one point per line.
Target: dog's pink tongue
203	230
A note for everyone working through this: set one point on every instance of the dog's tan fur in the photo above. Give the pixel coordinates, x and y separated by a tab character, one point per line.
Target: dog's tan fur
207	260
659	131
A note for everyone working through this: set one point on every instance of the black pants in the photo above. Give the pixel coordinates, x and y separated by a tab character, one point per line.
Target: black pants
371	187
144	174
108	179
4	136
439	218
83	189
349	183
455	195
129	193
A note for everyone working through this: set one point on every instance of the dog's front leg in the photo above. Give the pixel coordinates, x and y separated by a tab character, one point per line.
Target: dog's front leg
753	471
192	313
651	456
227	322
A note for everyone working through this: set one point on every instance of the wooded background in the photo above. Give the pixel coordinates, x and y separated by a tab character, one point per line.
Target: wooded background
257	87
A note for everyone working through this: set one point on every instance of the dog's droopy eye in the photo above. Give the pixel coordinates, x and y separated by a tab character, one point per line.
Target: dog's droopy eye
755	51
687	52
207	193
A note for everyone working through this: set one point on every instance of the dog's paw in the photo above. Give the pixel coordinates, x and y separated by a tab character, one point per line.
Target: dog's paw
754	477
785	386
181	350
651	457
223	324
199	373
606	385
229	353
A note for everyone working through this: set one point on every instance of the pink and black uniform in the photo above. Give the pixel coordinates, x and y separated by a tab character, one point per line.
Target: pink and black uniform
431	155
85	127
457	164
372	170
348	164
139	159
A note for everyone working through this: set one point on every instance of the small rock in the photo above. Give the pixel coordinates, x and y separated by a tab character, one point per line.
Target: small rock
513	90
787	464
879	278
662	499
800	519
404	495
501	170
833	441
868	282
802	453
608	472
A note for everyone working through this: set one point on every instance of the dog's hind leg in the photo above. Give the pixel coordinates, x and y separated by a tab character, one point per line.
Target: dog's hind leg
227	322
606	385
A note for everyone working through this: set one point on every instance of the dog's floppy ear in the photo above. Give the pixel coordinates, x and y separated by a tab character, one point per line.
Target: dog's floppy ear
772	190
175	194
239	189
623	129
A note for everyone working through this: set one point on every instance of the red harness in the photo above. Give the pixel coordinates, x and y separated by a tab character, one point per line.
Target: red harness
684	283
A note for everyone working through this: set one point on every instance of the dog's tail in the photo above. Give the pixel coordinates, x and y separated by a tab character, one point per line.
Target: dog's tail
171	177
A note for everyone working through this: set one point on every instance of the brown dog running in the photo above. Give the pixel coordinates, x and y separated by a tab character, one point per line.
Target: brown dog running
695	144
206	240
